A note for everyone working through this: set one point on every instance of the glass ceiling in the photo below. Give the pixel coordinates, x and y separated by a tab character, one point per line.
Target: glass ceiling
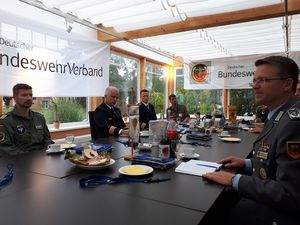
262	36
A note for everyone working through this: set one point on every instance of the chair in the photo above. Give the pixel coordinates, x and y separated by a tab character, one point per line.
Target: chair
93	127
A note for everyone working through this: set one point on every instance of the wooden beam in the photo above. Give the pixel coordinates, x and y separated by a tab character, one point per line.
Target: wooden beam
202	22
143	73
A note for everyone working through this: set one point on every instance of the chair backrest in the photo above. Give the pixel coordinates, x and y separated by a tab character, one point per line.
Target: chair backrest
92	126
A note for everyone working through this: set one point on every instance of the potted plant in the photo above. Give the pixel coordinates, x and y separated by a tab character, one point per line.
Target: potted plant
56	123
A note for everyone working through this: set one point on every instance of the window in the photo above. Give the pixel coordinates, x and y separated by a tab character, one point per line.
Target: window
244	100
123	74
156	80
203	101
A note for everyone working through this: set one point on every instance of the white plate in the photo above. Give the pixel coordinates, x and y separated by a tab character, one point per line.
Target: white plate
68	146
135	170
231	139
97	167
49	151
224	135
182	155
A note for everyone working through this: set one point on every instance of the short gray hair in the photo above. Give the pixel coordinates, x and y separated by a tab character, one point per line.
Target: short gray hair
109	89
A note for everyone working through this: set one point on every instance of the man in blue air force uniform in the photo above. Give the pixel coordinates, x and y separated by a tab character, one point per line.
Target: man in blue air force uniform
271	194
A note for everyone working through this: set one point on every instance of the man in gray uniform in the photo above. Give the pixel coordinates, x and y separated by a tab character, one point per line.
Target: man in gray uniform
271	194
23	130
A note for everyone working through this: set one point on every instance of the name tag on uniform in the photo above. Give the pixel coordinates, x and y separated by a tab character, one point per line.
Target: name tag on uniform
39	127
262	155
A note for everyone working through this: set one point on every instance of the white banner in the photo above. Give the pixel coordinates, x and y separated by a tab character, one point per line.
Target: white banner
224	73
52	61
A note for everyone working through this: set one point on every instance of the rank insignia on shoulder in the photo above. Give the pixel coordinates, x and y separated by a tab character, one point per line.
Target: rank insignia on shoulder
2	136
294	113
293	149
3	117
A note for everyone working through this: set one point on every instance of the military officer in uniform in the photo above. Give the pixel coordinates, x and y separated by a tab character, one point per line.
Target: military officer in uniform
107	117
146	110
23	130
271	194
177	110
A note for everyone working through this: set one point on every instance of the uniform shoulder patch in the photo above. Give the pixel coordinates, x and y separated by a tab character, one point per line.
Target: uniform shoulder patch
294	113
293	149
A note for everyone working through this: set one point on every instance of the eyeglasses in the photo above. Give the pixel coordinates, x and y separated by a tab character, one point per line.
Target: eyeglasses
263	80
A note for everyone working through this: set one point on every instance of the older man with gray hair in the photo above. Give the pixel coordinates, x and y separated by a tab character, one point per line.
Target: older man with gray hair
107	117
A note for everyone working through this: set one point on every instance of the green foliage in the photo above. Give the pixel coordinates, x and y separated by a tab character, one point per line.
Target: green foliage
157	99
68	110
202	101
244	100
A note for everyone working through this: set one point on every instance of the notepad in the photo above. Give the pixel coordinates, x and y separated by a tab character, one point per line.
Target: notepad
197	167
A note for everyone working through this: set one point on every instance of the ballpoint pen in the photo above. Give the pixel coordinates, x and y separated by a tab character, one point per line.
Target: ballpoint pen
215	167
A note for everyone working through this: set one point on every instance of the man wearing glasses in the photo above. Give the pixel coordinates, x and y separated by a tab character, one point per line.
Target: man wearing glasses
107	117
23	130
271	194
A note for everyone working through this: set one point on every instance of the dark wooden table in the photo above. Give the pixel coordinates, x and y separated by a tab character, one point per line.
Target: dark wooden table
45	190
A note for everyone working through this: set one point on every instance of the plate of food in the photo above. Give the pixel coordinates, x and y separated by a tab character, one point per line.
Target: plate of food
135	170
96	167
90	159
231	139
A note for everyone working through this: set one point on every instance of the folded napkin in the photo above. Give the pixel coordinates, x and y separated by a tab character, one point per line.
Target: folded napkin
195	143
184	124
155	162
199	136
151	158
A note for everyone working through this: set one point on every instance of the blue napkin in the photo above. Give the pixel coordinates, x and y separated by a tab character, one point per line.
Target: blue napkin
149	157
184	124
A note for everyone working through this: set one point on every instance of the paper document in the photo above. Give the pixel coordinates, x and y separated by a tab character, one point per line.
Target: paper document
197	167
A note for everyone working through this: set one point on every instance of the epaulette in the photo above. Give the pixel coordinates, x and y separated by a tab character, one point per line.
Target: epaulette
2	117
294	113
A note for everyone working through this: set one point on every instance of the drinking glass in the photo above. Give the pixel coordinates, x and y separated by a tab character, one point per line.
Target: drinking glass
70	139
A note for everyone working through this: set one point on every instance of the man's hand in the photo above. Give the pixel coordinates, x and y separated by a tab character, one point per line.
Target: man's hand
125	132
223	178
232	162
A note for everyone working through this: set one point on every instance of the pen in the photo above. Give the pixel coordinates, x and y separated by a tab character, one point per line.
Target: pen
199	164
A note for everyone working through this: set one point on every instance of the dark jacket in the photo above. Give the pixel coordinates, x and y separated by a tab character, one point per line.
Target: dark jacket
146	114
108	121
